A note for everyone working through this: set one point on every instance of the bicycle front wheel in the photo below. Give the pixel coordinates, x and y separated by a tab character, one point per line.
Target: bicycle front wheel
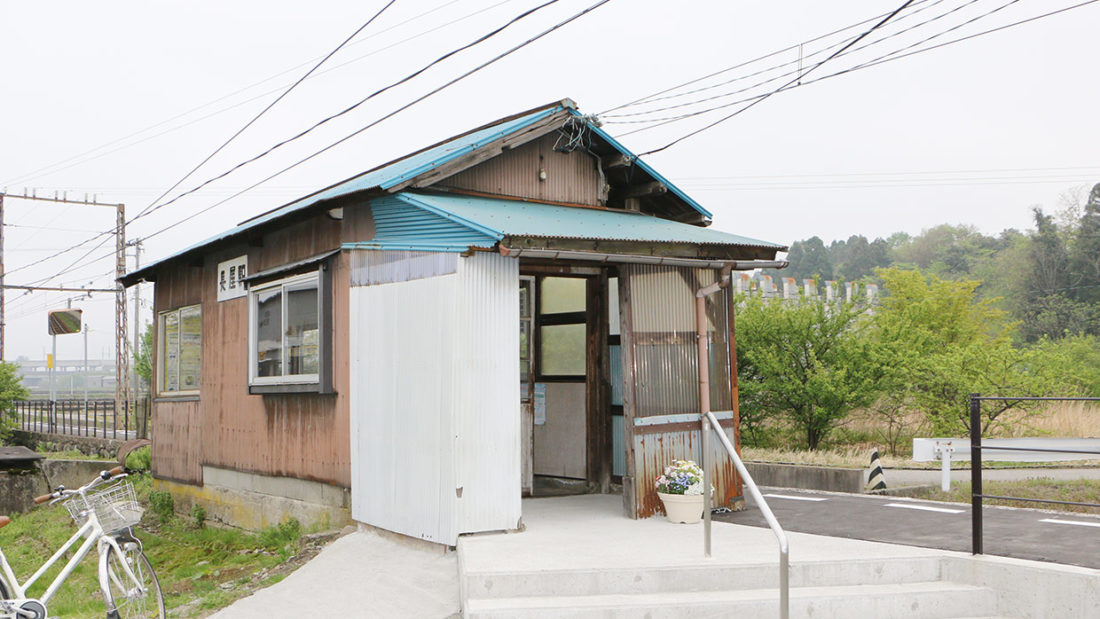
126	597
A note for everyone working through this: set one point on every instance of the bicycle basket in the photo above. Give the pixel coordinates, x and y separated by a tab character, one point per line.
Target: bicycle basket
115	506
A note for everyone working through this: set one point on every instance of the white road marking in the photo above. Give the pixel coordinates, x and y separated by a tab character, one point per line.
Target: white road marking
926	508
1076	522
794	498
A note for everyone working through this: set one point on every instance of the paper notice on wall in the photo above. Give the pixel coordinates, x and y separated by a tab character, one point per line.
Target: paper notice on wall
540	404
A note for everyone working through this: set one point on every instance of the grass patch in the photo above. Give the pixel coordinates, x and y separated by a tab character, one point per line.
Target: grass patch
1076	490
200	568
71	454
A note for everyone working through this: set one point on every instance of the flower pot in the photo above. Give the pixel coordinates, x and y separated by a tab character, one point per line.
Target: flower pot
685	508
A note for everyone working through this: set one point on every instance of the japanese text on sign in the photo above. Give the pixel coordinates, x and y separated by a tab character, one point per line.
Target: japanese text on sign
231	274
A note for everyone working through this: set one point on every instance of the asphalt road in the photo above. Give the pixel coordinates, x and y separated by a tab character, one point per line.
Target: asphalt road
1060	537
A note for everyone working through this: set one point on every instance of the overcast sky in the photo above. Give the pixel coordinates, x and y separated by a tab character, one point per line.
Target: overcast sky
122	99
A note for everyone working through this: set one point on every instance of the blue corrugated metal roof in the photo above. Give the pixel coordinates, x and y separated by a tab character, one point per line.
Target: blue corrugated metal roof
402	224
492	219
396	172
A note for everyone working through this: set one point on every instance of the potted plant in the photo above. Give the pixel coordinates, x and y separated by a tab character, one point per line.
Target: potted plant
681	491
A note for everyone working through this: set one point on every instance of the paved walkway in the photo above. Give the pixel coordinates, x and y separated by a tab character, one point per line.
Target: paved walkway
1060	537
362	574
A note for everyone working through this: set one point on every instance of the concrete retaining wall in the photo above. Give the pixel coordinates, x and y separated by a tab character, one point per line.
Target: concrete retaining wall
254	502
100	447
827	478
73	473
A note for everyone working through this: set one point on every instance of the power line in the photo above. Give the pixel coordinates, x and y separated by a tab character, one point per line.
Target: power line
33	173
656	96
890	57
796	71
383	118
352	107
395	112
248	124
796	78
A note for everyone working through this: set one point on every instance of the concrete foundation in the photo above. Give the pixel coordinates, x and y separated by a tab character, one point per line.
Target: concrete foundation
831	479
251	501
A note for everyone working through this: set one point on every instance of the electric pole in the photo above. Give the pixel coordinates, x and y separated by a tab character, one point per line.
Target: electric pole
122	340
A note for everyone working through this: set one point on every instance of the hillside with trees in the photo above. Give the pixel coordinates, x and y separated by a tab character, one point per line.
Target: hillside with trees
959	312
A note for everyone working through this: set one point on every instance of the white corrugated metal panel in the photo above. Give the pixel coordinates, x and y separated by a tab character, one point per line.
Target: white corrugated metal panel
373	267
486	393
402	439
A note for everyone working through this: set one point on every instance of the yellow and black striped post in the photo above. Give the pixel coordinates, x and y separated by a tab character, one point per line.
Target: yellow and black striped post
876	481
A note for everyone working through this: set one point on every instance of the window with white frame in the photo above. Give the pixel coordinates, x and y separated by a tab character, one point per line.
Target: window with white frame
285	331
179	353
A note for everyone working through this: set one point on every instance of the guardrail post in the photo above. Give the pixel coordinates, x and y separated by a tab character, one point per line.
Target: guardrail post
708	501
976	472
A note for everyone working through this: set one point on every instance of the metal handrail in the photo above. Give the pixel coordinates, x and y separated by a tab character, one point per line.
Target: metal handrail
706	419
780	535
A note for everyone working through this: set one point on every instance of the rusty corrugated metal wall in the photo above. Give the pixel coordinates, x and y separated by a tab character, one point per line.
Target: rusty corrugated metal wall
663	418
571	177
293	435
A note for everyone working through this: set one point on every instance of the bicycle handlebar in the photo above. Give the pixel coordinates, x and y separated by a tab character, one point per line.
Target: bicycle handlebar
61	491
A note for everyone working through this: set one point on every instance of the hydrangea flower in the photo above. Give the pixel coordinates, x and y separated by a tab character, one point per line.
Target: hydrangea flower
681	477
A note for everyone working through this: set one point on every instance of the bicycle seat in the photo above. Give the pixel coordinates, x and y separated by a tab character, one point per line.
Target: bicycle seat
4	521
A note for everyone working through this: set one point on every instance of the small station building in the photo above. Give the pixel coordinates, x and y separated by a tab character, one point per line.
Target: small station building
507	313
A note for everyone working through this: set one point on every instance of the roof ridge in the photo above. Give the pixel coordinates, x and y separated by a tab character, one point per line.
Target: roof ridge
565	103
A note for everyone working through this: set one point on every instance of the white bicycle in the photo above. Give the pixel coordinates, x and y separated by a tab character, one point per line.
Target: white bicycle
105	510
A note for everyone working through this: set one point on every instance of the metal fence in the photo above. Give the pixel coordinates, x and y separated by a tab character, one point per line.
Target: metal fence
99	418
976	449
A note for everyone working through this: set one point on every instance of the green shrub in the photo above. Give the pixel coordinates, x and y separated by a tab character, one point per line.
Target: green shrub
163	506
287	531
140	459
198	516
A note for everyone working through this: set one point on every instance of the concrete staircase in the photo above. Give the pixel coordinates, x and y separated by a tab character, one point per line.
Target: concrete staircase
912	587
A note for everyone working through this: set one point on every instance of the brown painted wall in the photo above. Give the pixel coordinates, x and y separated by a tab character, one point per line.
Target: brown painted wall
294	435
570	177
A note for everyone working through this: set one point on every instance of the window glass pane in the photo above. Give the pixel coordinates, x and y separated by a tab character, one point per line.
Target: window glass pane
562	294
615	357
302	333
169	345
269	331
525	298
562	352
190	335
613	306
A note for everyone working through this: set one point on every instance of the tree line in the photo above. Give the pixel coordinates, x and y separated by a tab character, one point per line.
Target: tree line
959	312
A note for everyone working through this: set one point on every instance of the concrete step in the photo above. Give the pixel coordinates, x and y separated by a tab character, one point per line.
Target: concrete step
920	600
537	583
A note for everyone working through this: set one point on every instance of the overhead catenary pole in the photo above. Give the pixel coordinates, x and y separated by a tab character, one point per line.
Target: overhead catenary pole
3	338
137	324
122	341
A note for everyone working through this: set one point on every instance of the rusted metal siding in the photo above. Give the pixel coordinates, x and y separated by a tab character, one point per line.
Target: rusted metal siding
571	177
177	440
665	352
292	435
662	421
657	450
296	435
